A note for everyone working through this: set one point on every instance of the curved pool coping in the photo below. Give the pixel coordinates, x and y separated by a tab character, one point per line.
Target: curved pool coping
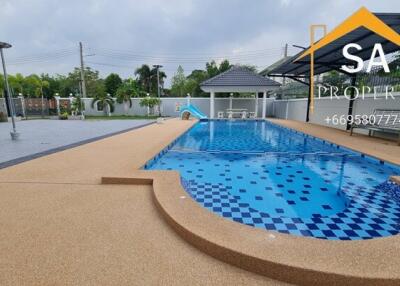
284	257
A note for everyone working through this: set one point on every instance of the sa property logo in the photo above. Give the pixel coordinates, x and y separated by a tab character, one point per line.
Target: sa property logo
361	18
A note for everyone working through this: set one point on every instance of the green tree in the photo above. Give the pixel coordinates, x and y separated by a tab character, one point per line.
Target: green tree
193	81
224	66
1	85
178	83
190	86
91	78
16	83
162	76
144	76
112	83
250	68
197	76
53	86
150	102
147	78
212	69
66	86
32	85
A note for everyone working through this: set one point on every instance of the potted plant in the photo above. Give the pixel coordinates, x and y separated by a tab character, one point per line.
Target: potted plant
63	116
78	107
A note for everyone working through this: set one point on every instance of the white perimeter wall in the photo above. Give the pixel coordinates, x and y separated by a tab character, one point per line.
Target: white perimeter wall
168	106
296	109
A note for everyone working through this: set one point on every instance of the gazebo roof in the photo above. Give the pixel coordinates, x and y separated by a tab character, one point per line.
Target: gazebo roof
239	76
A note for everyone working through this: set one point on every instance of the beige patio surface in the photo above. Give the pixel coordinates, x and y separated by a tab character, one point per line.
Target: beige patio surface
60	226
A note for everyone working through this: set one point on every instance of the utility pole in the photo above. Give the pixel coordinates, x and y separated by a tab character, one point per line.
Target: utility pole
42	101
83	83
158	87
285	54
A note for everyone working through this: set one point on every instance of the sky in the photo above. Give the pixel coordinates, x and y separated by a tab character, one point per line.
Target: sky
120	35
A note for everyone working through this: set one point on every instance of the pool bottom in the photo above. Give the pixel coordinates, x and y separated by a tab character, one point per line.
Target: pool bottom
289	258
351	224
259	192
331	195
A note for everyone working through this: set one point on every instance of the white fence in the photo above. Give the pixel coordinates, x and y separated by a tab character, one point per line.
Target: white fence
170	106
296	109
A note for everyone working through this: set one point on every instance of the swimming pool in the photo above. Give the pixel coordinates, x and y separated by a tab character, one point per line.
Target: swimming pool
267	176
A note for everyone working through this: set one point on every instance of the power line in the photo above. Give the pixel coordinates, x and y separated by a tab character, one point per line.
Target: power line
42	59
43	54
134	57
110	65
190	54
182	61
125	56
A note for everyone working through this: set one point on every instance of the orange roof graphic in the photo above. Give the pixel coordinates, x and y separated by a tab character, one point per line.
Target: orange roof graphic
361	18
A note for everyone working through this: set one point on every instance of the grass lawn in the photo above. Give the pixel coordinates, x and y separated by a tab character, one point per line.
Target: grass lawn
95	117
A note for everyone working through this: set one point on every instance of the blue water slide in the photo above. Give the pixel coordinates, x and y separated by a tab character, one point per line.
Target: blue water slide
193	110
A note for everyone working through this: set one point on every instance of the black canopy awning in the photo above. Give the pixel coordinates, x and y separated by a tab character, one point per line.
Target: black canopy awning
330	57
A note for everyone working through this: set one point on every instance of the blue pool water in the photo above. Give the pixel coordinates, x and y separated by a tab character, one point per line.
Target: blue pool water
267	176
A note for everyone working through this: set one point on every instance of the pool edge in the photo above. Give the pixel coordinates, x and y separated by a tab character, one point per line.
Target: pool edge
299	260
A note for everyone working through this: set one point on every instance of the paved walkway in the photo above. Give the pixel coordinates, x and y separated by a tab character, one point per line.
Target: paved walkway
40	136
60	226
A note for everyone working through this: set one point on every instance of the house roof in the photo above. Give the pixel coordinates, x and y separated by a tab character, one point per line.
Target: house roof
238	76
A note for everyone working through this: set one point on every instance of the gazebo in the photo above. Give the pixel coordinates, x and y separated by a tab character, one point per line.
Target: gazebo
239	79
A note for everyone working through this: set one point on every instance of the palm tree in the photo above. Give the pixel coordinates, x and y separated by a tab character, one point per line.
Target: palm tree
125	98
147	78
126	91
144	75
105	101
39	91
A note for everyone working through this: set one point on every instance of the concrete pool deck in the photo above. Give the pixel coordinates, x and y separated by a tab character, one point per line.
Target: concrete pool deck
60	225
41	137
